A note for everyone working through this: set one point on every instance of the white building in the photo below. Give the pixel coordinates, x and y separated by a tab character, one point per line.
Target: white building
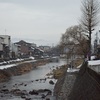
45	48
5	41
15	49
1	43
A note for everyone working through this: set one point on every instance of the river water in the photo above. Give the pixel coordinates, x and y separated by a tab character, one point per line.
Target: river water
34	80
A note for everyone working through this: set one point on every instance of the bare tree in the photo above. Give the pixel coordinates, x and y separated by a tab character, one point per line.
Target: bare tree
89	19
75	41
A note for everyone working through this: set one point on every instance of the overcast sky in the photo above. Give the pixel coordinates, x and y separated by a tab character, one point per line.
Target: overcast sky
38	21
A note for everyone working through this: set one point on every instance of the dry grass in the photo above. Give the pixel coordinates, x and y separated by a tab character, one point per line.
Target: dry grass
78	62
59	72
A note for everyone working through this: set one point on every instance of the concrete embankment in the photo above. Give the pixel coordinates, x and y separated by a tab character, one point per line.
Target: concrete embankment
82	85
86	86
20	69
64	85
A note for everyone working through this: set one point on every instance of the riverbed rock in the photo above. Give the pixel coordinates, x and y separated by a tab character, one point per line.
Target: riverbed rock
4	86
27	98
43	96
5	91
51	82
23	96
16	91
47	98
2	96
34	92
47	90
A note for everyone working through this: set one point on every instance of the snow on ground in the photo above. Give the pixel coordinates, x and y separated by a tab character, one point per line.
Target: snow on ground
7	66
72	70
94	65
79	66
93	57
31	57
10	61
94	62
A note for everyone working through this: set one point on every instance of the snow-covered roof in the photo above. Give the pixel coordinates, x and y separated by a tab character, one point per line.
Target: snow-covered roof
32	48
12	65
94	62
40	49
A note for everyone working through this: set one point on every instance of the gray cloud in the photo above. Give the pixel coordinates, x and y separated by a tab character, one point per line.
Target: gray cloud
38	19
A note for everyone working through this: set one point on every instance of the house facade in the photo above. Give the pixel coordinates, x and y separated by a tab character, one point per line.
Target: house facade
26	49
5	41
15	52
38	53
1	47
45	48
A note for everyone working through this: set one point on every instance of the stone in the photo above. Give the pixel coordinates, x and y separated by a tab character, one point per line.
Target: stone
51	82
43	96
34	92
47	98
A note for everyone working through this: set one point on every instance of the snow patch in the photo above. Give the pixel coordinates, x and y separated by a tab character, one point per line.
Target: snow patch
94	62
7	66
79	66
72	70
32	57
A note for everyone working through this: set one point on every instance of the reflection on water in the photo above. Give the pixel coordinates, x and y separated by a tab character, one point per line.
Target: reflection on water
36	79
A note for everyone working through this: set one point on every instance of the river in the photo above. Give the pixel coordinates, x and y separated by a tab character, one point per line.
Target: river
34	80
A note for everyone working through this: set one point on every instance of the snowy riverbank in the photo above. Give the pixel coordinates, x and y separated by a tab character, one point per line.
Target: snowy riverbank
6	71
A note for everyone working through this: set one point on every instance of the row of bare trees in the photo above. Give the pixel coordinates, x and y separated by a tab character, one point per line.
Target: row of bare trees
77	39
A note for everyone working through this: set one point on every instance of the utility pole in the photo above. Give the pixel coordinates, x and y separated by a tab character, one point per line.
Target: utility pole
96	42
